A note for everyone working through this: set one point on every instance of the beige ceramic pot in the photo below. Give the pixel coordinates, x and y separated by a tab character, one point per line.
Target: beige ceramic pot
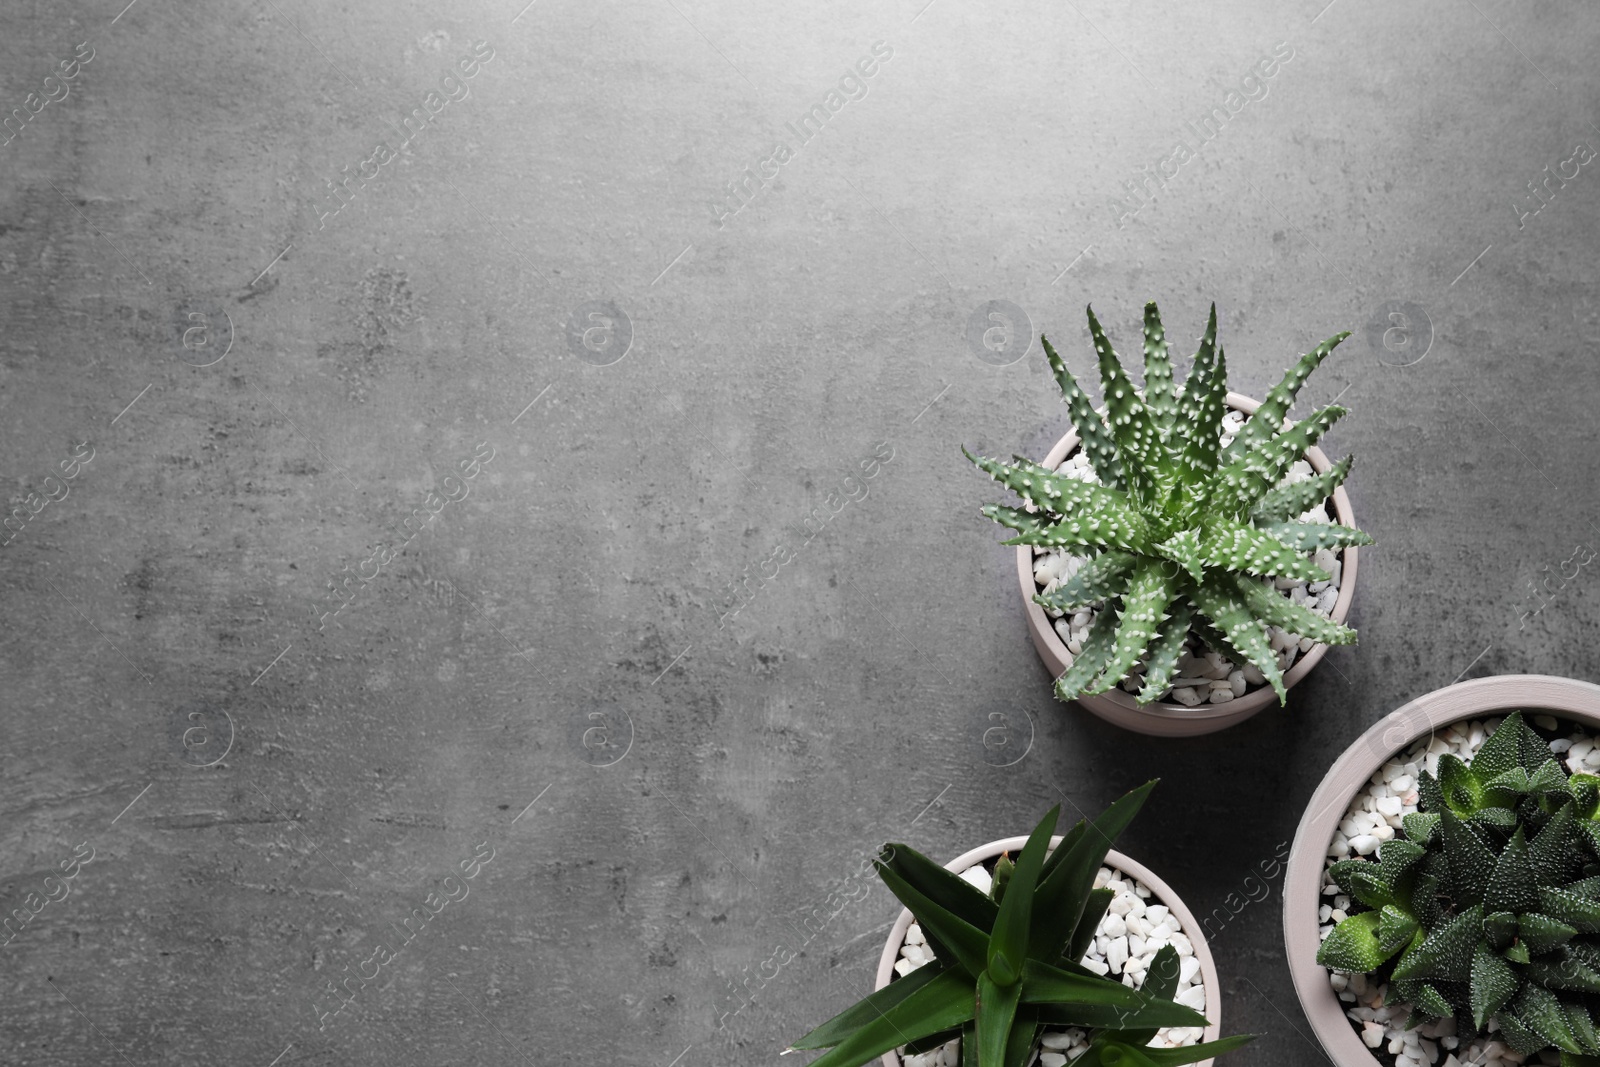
1163	719
1563	698
1116	861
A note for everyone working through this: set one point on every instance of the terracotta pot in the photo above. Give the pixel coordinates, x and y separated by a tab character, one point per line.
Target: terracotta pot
1563	698
1115	860
1163	719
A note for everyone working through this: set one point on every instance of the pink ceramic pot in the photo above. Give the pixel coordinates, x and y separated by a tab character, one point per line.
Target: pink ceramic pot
1163	719
1116	861
1563	698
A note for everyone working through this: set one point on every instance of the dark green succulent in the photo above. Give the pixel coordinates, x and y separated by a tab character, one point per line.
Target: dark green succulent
1487	906
1181	531
1006	964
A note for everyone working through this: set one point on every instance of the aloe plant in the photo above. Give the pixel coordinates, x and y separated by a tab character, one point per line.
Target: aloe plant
1181	530
1006	964
1487	906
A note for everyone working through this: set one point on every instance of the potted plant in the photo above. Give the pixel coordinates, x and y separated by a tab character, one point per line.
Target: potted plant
1443	891
1003	966
1181	541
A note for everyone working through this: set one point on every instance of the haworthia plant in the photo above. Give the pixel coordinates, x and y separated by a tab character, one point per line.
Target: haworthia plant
1007	964
1180	531
1486	907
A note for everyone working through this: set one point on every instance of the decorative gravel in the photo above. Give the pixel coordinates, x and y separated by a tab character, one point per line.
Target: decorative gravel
1203	675
1373	818
1133	930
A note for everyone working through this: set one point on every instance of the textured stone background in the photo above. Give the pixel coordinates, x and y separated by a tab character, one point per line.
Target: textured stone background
543	668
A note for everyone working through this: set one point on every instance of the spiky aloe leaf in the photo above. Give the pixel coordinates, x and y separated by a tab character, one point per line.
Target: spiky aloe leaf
1243	632
1184	549
1471	861
1094	653
1310	536
1056	492
996	1008
1396	928
1233	546
1162	661
968	945
1102	578
1197	384
1198	452
1103	1003
1275	610
1511	884
1132	428
1092	431
1288	502
945	888
1241	485
1270	415
1144	609
1159	395
1091	534
872	1007
1576	911
1542	933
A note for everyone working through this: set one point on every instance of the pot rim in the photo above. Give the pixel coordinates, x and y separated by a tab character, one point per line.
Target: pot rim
1115	860
1564	698
1170	719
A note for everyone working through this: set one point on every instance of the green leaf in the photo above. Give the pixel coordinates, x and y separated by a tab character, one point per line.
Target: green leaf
1097	1001
1395	929
942	1003
1064	890
1500	752
871	1007
1363	880
1550	854
1540	1010
1500	928
1004	867
1493	984
1268	418
1234	546
1446	953
1419	826
1563	969
1009	941
945	888
1353	945
1240	630
1462	793
1518	1034
997	1007
1570	908
1288	502
1431	1002
1158	384
1144	609
1310	536
1542	933
1275	609
1103	577
1092	431
1165	652
1582	1024
1512	886
1094	653
1132	428
968	945
1094	909
1471	862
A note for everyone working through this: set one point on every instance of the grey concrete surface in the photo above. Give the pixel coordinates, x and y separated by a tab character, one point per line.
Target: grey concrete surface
661	804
